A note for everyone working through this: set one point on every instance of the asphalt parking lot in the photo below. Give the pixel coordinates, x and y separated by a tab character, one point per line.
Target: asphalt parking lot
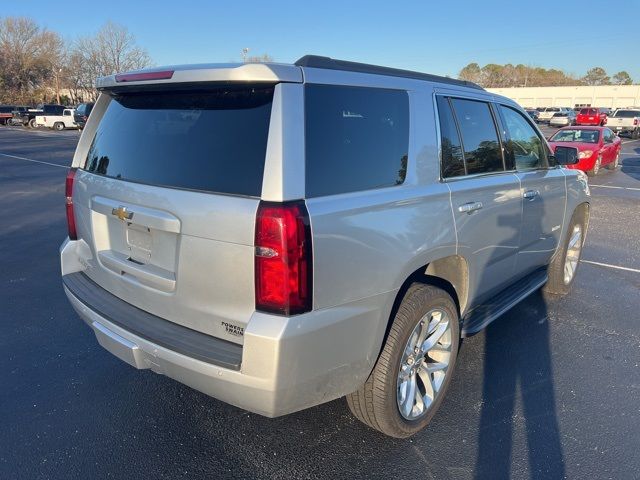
550	390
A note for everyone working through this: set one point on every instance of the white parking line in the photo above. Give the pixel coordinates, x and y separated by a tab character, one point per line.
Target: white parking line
627	269
613	186
630	141
32	160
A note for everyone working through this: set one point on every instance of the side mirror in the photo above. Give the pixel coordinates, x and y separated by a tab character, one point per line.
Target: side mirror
566	155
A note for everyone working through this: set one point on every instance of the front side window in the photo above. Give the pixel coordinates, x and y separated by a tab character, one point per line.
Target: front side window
524	145
482	152
356	138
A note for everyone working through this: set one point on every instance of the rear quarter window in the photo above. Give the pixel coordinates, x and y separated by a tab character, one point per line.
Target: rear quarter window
211	140
356	138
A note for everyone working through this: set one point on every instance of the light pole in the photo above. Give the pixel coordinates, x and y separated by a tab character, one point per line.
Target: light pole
244	54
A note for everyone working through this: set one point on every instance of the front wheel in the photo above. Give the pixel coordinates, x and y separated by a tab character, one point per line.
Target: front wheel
415	367
563	267
596	167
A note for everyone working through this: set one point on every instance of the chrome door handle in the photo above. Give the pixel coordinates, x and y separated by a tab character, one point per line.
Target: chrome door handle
470	207
531	194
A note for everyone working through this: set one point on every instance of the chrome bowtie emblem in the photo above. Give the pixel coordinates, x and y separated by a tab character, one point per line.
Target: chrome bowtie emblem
122	213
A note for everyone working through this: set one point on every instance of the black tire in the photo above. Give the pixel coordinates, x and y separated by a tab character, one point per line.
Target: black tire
375	403
59	126
596	167
635	134
613	165
32	123
556	283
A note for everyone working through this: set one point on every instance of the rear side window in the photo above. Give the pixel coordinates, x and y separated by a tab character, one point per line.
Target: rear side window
452	159
356	138
482	153
212	140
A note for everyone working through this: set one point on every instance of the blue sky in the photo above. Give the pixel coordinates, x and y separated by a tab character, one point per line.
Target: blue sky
435	37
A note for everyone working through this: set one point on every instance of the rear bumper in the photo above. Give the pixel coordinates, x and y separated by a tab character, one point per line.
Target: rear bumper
285	363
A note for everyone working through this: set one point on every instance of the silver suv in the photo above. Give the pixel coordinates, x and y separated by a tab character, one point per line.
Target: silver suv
278	236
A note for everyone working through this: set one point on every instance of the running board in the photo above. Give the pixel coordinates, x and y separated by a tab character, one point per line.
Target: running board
482	315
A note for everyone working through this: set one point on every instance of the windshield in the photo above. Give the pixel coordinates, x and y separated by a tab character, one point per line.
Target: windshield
627	113
575	135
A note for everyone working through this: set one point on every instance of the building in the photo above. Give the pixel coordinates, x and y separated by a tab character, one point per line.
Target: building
612	96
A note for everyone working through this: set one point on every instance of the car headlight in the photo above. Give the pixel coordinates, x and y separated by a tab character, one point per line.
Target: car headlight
585	154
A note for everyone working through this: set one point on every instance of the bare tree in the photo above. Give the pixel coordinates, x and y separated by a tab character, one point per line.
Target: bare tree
30	59
622	78
113	49
264	58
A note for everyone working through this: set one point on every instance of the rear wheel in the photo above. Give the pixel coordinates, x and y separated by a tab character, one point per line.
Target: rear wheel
32	123
596	167
635	134
58	126
613	165
415	367
563	267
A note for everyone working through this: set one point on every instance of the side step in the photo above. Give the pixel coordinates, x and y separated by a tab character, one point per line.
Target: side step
482	315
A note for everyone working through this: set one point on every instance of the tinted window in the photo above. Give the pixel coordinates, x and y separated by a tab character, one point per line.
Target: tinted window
523	145
627	113
213	140
452	159
81	108
356	138
479	137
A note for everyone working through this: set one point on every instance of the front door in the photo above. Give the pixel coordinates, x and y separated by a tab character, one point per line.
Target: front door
542	191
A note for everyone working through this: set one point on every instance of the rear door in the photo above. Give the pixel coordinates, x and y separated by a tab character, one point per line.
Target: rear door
166	199
485	195
542	190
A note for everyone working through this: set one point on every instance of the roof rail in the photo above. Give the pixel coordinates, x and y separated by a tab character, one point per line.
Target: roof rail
316	61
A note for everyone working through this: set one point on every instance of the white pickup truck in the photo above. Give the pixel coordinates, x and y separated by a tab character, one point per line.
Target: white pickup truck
625	120
57	122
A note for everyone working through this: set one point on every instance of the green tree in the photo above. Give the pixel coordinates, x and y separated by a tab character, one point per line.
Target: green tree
596	76
622	78
471	73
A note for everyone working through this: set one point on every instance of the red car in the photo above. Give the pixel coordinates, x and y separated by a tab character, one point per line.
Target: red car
591	116
597	147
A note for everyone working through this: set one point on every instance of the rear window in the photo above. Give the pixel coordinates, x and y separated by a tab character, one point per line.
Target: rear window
211	140
5	109
588	111
356	138
627	113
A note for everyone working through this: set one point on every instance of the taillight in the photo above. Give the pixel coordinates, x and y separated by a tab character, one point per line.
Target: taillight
68	193
283	258
635	121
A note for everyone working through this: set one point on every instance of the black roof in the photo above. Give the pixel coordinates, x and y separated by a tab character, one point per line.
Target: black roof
316	61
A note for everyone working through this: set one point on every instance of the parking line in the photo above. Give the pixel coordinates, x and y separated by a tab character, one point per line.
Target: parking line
613	186
32	160
627	269
630	141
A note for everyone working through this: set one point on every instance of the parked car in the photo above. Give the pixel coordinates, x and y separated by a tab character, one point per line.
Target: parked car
534	114
591	116
597	147
561	119
82	113
57	122
626	121
285	235
28	118
6	114
545	114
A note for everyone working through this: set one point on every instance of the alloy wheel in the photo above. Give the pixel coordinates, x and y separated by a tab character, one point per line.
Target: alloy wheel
573	254
424	364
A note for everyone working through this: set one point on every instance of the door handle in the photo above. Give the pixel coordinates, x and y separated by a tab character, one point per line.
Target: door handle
470	207
531	194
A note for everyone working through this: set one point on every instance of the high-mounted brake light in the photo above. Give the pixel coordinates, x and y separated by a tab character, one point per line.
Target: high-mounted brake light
68	193
283	258
137	77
